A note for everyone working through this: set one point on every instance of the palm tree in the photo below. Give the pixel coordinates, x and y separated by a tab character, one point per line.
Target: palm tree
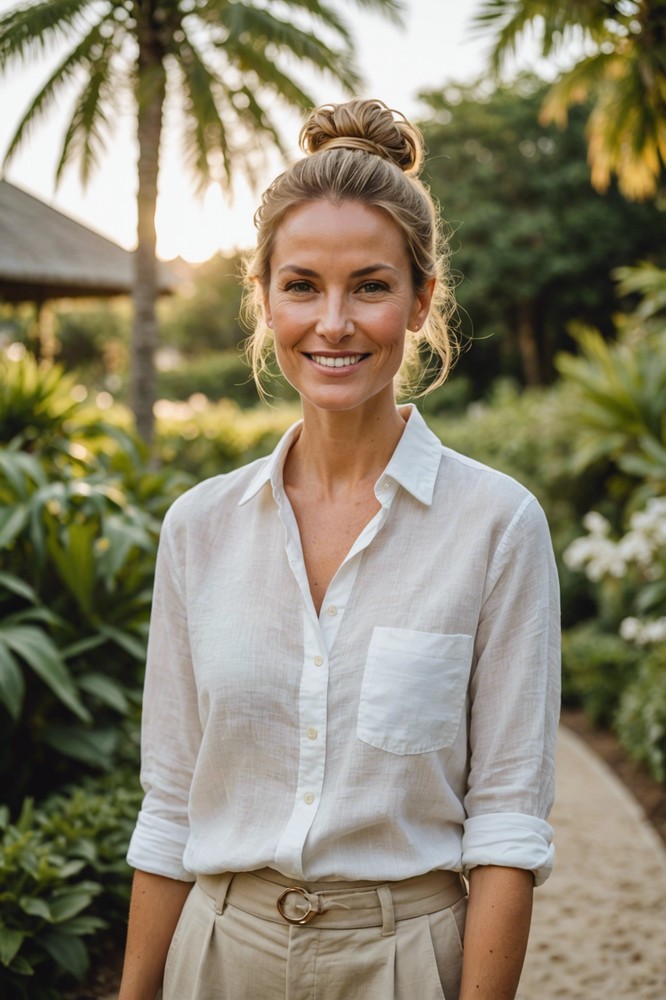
622	68
226	61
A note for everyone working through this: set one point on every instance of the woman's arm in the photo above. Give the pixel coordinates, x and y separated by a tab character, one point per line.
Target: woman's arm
154	911
496	931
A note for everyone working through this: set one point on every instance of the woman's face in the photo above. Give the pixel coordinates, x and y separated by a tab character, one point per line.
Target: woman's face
339	301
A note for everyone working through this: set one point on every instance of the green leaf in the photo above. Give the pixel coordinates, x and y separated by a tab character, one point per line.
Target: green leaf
32	645
70	903
85	925
10	942
71	868
106	690
135	647
68	951
12	523
75	560
83	646
12	684
92	747
18	586
22	966
35	907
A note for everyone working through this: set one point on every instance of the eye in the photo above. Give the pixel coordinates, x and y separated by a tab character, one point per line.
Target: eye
299	286
373	287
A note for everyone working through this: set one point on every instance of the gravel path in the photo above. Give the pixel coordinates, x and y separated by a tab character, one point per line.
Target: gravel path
599	927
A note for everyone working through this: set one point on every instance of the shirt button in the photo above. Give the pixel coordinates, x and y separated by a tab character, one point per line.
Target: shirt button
312	733
331	610
308	798
318	660
385	486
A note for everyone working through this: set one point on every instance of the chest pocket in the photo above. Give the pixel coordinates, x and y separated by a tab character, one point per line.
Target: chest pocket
413	690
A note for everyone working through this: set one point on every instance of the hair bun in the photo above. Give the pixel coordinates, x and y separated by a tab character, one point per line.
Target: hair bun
364	124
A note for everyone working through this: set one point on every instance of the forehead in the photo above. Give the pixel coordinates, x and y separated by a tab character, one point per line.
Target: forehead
338	232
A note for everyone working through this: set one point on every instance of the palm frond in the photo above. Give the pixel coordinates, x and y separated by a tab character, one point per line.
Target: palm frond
393	10
31	28
254	28
247	59
575	86
205	131
81	56
626	131
257	123
85	136
552	23
215	12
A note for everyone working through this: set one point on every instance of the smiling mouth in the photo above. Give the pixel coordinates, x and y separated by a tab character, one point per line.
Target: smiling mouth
339	361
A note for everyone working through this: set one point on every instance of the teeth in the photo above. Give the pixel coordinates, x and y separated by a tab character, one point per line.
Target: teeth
339	362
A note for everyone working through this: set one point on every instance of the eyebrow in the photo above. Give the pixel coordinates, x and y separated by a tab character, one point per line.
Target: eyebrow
307	272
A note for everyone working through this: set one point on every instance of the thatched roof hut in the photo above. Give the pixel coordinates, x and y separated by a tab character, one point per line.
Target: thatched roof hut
46	255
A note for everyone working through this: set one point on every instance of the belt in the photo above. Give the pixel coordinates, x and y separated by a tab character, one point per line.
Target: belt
271	896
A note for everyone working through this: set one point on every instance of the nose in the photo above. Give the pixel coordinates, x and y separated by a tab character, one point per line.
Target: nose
334	322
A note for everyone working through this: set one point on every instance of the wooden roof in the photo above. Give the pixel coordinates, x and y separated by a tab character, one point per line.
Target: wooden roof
46	255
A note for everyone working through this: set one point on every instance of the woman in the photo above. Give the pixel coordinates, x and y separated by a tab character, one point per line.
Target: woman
352	684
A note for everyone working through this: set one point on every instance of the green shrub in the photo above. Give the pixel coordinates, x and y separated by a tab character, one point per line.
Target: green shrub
596	668
616	400
79	520
220	375
205	439
63	879
641	717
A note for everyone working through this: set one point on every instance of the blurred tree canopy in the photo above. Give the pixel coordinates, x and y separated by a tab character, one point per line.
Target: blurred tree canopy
208	317
534	242
620	71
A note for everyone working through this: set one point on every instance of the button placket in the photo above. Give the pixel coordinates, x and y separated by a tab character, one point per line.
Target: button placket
312	712
319	633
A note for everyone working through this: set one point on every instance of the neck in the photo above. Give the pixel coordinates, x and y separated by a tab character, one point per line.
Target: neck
336	452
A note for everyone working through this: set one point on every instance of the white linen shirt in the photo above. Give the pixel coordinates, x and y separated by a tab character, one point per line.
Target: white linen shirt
409	726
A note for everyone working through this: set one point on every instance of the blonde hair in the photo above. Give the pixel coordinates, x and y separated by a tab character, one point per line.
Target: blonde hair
362	151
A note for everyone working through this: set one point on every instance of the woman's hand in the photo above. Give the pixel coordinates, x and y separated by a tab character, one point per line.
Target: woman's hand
154	911
498	923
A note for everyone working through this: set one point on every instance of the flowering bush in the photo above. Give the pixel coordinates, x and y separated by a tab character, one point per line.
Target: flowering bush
630	572
629	568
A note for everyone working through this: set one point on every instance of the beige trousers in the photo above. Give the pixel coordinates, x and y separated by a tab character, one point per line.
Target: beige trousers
357	941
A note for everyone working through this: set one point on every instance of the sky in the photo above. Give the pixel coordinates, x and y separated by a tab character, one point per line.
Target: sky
435	46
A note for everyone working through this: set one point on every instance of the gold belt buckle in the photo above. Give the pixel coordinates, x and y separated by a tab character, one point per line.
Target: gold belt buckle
309	913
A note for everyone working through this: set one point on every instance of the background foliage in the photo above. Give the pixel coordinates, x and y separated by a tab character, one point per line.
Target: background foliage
534	244
563	296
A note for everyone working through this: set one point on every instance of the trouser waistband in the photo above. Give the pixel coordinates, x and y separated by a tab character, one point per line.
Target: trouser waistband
269	895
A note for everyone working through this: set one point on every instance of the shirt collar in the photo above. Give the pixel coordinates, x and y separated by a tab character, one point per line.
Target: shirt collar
414	464
271	469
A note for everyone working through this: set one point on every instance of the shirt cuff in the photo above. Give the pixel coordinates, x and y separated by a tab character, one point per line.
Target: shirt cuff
157	846
511	840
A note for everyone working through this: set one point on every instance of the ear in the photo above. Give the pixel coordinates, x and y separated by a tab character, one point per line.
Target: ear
421	308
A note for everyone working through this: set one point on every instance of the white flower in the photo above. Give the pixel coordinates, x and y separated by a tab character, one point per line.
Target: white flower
598	556
630	629
596	523
643	633
637	548
577	553
654	631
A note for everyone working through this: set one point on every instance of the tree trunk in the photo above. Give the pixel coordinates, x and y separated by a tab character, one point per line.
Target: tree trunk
151	91
527	344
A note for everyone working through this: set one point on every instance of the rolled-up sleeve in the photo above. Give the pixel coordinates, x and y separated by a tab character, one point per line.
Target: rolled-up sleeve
171	729
515	699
